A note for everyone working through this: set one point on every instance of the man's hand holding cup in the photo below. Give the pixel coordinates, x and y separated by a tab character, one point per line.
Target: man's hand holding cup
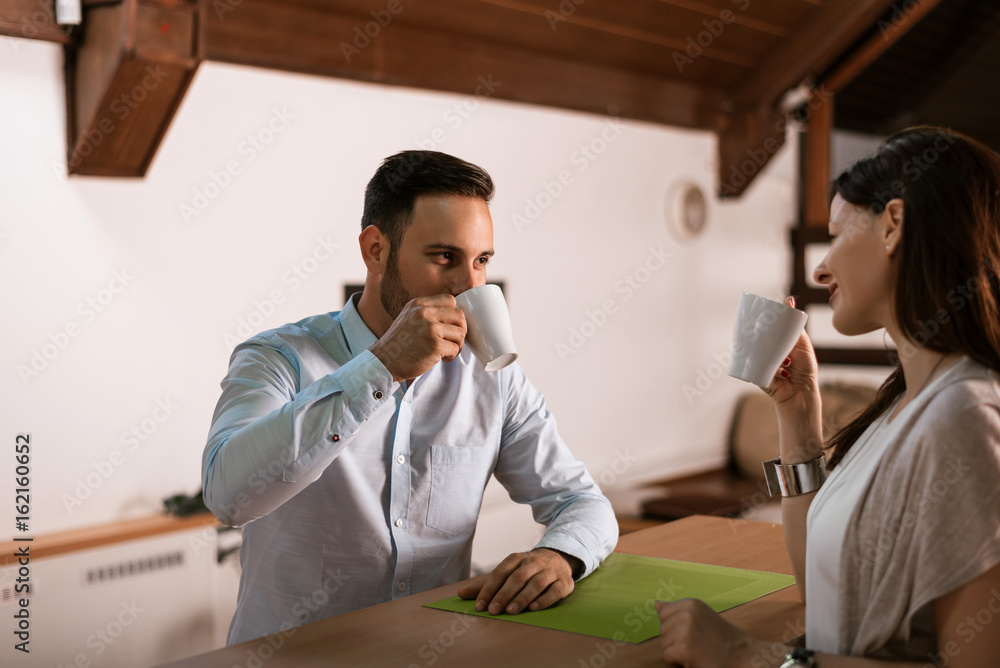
427	330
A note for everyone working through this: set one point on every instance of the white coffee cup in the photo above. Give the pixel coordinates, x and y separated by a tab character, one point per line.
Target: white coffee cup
764	332
488	331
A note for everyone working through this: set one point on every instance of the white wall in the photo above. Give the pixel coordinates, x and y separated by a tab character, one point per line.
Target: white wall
161	332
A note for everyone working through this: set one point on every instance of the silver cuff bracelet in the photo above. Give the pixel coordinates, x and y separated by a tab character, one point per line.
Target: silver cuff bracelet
794	479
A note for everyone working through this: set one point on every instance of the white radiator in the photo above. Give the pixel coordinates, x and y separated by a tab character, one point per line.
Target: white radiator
133	604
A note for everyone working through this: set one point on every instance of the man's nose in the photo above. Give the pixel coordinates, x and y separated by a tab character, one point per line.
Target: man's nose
467	278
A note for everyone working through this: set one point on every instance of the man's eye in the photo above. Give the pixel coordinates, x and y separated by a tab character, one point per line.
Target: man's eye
484	260
445	256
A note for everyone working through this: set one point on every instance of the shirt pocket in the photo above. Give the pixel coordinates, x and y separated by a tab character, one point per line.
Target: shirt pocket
458	478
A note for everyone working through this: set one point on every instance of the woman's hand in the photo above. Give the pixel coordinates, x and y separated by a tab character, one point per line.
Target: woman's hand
694	636
796	382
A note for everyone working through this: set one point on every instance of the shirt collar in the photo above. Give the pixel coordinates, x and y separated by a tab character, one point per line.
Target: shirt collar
358	336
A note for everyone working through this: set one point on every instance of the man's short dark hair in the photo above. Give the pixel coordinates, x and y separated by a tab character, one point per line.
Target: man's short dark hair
401	178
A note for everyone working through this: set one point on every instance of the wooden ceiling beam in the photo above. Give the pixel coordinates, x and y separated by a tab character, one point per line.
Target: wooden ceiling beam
150	49
125	81
754	130
266	34
748	139
32	19
813	49
875	46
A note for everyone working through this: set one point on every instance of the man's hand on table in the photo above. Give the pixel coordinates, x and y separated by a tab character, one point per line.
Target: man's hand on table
524	581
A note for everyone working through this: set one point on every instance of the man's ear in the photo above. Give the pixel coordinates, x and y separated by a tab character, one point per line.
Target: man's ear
374	249
892	220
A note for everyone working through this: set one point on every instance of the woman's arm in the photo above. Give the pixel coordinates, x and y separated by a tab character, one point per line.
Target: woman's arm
793	522
800	439
800	434
968	630
967	620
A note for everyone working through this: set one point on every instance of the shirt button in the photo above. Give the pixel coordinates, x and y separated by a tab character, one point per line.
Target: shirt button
378	394
402	586
334	437
400	459
399	522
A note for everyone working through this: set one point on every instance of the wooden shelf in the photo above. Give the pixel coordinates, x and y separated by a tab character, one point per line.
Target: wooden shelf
63	542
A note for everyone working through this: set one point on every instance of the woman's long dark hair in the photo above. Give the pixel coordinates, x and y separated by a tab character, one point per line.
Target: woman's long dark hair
947	288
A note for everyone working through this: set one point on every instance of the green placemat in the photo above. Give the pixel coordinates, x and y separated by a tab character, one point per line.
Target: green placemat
616	600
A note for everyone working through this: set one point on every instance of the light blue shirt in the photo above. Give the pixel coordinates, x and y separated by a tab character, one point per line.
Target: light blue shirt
353	489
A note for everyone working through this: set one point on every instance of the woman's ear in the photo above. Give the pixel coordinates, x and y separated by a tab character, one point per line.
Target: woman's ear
892	229
374	249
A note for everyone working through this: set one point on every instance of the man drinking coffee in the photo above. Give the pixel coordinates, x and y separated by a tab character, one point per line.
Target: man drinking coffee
354	447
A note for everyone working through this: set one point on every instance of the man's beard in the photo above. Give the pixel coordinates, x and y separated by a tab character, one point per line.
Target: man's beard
391	292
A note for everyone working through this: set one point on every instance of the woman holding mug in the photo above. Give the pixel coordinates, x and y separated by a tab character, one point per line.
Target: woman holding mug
897	553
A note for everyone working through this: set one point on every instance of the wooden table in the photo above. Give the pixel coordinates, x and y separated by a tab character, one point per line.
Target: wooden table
402	633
